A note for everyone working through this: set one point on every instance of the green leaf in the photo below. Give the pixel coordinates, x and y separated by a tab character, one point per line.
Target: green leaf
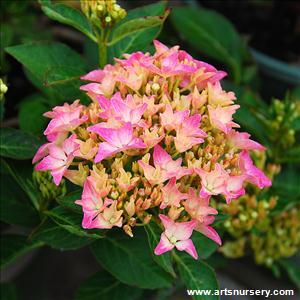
291	266
15	207
138	41
59	238
164	260
286	183
212	34
155	9
68	201
54	67
105	287
134	26
197	275
204	246
68	15
22	174
71	221
13	246
8	291
277	69
46	58
17	144
286	186
291	155
129	260
31	114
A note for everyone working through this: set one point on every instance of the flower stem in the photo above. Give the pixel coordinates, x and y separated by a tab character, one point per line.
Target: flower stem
102	39
102	55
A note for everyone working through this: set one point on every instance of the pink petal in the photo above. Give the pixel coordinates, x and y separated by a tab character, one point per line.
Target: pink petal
69	145
160	47
42	152
188	247
137	143
92	87
167	222
87	220
49	163
184	230
105	150
104	103
108	134
101	223
57	174
125	134
96	75
209	232
56	152
163	246
160	156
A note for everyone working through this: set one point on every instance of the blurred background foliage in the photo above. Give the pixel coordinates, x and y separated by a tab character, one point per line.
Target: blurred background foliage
254	41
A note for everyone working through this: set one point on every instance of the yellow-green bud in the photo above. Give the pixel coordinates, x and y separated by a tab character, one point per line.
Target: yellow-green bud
155	87
3	89
48	189
108	19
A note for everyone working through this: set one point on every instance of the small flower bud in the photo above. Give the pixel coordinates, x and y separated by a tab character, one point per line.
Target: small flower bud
128	230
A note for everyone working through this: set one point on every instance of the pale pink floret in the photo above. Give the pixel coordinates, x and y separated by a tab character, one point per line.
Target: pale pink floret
110	217
176	235
221	117
106	107
64	119
87	150
213	182
199	209
152	138
59	158
106	82
234	187
92	202
171	196
125	180
166	163
164	167
131	78
240	140
253	174
218	181
117	140
171	120
155	175
189	134
152	108
216	95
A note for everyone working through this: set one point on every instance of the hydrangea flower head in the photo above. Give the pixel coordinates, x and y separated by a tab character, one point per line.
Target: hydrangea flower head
157	142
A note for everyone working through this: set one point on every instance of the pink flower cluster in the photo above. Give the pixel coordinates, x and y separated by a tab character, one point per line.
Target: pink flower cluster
156	142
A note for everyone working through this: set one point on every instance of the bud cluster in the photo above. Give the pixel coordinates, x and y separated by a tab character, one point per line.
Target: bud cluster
253	226
102	13
45	184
